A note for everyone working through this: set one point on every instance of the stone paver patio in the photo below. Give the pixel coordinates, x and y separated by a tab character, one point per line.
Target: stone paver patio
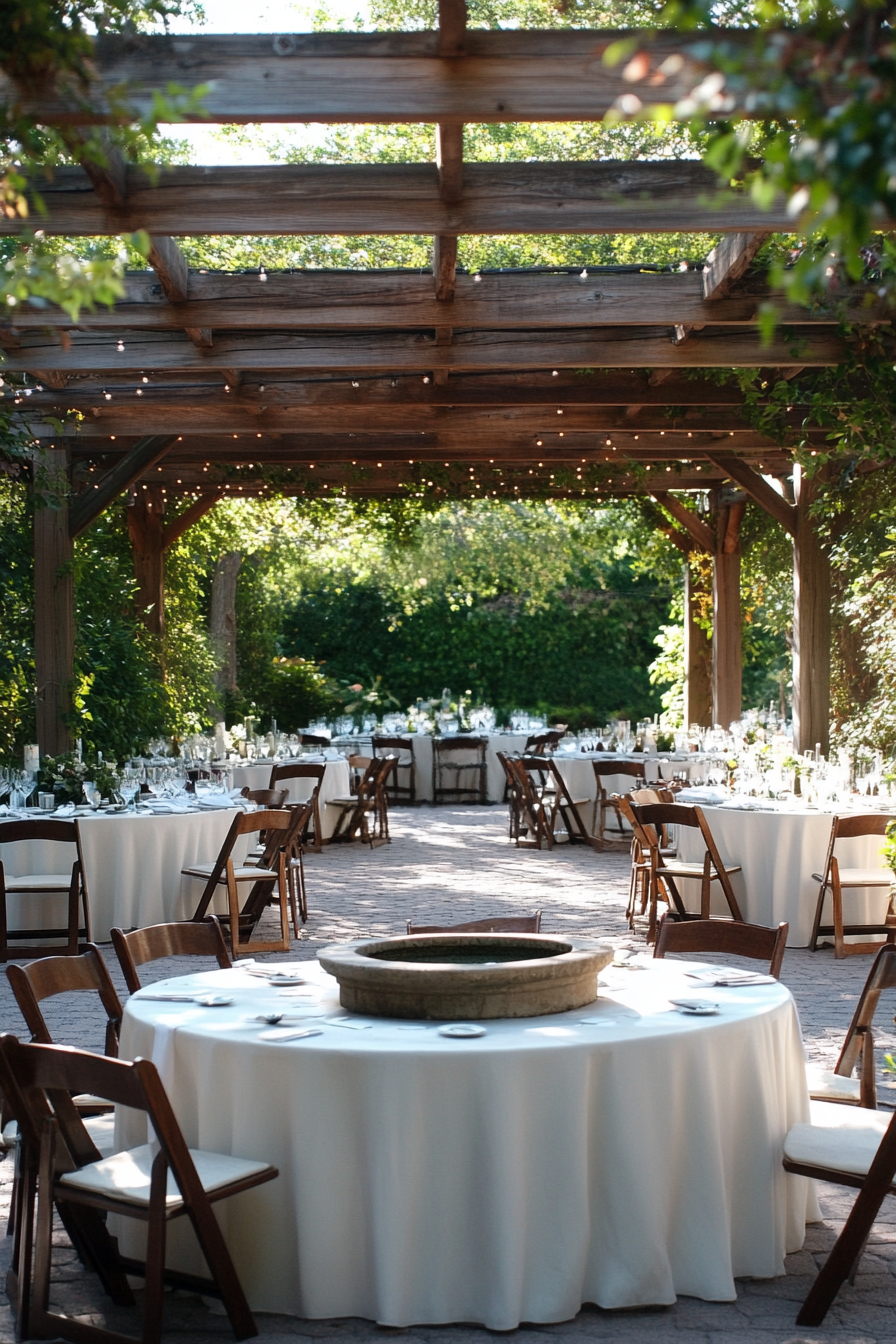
453	863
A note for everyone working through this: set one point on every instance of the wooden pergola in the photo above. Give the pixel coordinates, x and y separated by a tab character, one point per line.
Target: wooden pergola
575	383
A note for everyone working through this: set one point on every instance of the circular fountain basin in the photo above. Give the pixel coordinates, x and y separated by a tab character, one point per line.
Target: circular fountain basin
450	976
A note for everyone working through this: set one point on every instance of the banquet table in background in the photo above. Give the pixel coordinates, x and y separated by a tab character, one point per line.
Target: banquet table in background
621	1154
336	784
778	851
132	863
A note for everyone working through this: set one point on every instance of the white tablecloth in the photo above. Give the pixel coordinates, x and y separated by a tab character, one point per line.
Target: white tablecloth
778	853
335	784
132	864
504	1179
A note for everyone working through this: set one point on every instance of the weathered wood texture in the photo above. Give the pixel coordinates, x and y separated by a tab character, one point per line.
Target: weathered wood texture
697	654
405	198
391	352
549	75
141	457
811	625
382	300
758	489
727	620
130	414
145	526
54	631
728	261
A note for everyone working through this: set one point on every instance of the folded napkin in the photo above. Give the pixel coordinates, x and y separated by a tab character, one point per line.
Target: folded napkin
218	800
66	810
730	977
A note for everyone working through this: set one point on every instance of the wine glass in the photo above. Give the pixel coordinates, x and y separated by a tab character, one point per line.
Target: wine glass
91	794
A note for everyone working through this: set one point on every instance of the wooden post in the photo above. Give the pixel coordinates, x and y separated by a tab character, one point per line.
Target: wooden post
697	655
145	528
811	626
54	615
727	650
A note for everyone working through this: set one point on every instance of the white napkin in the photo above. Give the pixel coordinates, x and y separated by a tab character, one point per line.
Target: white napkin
66	810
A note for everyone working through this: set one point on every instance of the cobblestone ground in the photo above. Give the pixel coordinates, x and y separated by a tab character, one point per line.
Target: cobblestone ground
451	863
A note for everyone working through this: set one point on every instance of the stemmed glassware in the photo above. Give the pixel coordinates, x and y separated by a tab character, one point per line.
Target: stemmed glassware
91	794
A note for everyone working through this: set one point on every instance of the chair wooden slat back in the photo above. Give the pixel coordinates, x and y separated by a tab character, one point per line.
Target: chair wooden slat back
184	939
56	831
41	1079
539	743
44	979
725	937
403	750
835	880
314	740
443	748
268	797
568	808
500	924
273	824
283	771
537	804
511	795
882	976
604	803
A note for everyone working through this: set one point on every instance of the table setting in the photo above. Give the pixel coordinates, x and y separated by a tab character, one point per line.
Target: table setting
491	1171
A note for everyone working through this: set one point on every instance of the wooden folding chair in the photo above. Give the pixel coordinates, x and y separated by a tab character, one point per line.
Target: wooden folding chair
370	800
403	750
314	740
839	1084
501	924
284	771
154	1183
72	885
847	1146
184	939
537	802
43	979
568	807
444	749
605	802
265	877
511	796
540	744
836	880
663	872
728	938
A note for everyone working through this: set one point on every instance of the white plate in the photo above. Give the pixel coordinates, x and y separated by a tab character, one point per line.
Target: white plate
462	1030
213	1000
279	980
695	1007
289	1033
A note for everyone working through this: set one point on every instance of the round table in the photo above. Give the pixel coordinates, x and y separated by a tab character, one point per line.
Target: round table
132	866
620	1154
779	849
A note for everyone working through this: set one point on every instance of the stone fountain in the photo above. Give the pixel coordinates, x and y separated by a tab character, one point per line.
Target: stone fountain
452	976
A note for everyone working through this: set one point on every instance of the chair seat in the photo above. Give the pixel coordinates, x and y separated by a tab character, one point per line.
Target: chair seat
245	873
39	882
838	1138
861	877
101	1129
825	1085
126	1176
693	870
345	802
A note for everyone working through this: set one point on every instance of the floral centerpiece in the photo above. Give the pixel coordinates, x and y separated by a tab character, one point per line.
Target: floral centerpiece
65	776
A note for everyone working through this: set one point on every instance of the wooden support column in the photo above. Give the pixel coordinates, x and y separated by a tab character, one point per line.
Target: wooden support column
147	539
811	625
697	655
54	616
449	152
727	647
222	618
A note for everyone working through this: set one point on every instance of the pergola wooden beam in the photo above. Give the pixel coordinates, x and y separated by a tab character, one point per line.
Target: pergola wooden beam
546	75
384	300
765	495
603	196
729	261
392	352
701	535
144	455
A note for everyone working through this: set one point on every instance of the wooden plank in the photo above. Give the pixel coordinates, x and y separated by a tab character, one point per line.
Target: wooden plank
549	75
383	300
393	353
702	536
452	27
145	529
759	490
180	525
54	622
729	261
169	264
230	414
444	267
537	387
603	196
697	655
811	625
90	504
